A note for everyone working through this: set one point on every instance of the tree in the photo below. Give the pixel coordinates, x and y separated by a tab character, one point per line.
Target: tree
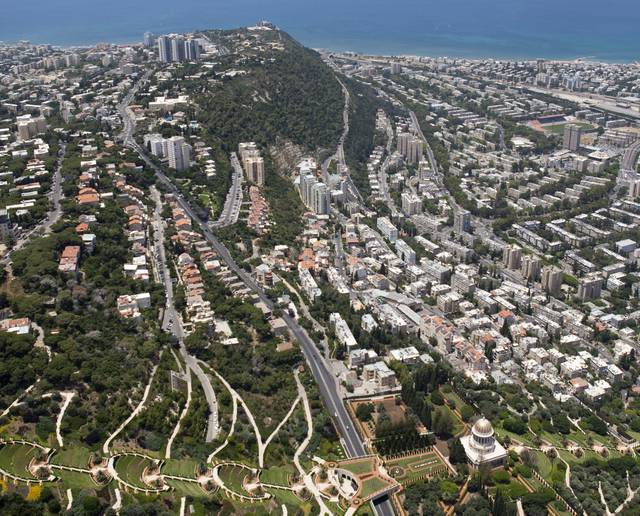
466	412
596	424
364	411
442	424
562	424
499	505
457	455
476	505
437	398
515	425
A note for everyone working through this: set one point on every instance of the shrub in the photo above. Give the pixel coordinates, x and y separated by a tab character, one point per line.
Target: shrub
523	470
501	477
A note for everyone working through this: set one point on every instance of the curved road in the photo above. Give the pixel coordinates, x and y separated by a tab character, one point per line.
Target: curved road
324	378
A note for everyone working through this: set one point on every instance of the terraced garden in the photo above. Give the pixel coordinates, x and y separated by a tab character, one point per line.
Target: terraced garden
407	469
130	469
180	468
75	479
186	488
277	475
75	457
15	459
233	477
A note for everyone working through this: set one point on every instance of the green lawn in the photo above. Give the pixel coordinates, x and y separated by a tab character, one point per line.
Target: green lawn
130	468
15	458
73	479
187	488
233	477
572	459
543	464
74	456
359	467
180	468
525	439
292	502
372	485
276	475
514	489
559	128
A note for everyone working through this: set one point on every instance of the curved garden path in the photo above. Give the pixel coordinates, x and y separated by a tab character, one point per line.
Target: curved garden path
185	410
136	411
66	397
307	478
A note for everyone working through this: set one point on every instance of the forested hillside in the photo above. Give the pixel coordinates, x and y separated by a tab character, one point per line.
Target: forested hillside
283	91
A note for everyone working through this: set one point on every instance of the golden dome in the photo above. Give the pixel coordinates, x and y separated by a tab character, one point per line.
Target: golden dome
483	428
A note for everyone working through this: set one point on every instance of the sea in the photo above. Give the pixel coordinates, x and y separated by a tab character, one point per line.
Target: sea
599	30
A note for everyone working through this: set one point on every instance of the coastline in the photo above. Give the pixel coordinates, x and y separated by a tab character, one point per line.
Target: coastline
442	45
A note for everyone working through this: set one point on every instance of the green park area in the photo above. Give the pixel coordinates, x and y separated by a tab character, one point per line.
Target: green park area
407	469
74	456
130	469
209	201
185	468
277	475
372	485
233	478
15	459
359	467
558	129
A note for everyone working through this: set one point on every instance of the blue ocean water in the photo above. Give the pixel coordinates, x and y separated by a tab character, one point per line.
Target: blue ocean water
563	29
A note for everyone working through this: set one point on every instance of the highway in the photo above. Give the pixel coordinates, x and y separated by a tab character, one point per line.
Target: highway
326	382
630	157
593	100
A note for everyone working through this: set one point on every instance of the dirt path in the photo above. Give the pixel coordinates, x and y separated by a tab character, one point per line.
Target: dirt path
250	417
308	480
40	340
136	411
185	410
66	400
17	400
116	506
234	418
282	423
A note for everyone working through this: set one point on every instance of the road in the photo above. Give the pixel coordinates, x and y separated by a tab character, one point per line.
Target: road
630	157
321	372
432	160
172	323
56	192
593	100
351	187
482	227
233	201
53	215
